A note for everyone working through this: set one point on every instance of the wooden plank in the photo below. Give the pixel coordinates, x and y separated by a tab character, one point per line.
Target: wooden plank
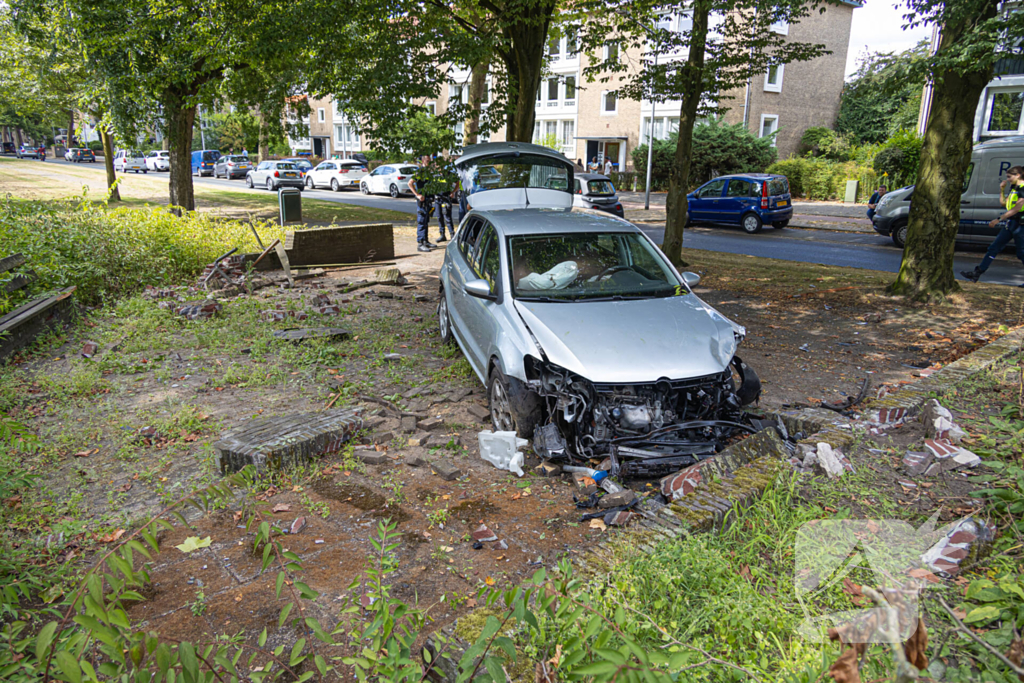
13	261
33	308
283	256
20	280
24	325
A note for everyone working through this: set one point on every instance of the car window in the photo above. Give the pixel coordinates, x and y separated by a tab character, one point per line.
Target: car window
468	238
967	177
286	166
600	187
211	156
386	170
576	186
489	261
712	189
777	186
739	188
408	170
515	171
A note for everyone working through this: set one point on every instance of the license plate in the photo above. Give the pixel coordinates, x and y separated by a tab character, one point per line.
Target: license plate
289	175
782	203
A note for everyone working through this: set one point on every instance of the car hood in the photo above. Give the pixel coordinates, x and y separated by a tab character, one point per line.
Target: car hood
676	337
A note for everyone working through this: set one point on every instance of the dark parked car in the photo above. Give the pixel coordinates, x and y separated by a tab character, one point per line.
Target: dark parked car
9	148
749	200
82	155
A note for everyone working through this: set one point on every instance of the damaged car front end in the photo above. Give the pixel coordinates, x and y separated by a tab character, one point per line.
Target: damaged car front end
588	340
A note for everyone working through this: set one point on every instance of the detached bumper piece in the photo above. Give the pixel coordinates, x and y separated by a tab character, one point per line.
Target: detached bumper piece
647	430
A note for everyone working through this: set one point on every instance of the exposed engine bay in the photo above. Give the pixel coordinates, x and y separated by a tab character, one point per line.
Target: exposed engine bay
646	429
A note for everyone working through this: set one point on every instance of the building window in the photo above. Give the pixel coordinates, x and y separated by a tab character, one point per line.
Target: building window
609	102
571	43
781	27
551	131
321	115
1003	112
685	22
552	92
536	132
554	48
611	52
346	135
769	126
568	133
570	90
664	126
773	78
455	93
431	108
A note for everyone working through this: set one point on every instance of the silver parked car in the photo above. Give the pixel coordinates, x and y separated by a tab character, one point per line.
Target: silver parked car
275	174
232	166
595	191
586	337
392	179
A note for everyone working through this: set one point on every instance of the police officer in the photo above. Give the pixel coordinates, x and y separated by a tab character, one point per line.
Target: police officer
1011	194
443	201
424	204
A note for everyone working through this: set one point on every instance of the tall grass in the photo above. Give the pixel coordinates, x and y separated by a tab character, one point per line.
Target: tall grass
109	252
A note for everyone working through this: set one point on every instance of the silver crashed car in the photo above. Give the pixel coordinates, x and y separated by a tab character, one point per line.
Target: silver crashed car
586	337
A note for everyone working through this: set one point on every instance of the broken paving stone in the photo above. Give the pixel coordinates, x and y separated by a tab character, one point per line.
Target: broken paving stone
304	333
298	525
408	424
415	461
414	392
938	422
483	535
548	469
371	457
446	471
618	518
392	357
389	276
478	411
431	423
832	461
958	544
917	463
421	439
320	299
199	310
89	349
383	437
614	500
331	309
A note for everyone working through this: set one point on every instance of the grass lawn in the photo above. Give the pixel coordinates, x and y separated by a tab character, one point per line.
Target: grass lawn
34	180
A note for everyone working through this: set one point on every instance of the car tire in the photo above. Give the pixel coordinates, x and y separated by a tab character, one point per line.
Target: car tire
309	183
144	172
899	235
248	181
364	188
334	185
751	223
779	225
270	184
394	191
444	320
512	405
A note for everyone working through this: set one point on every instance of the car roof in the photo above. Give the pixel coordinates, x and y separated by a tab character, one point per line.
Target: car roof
591	176
759	176
553	221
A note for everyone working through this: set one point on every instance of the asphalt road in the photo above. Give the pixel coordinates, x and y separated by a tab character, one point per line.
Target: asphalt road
828	247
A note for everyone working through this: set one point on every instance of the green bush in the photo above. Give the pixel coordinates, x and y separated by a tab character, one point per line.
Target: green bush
899	158
718	149
108	252
824	179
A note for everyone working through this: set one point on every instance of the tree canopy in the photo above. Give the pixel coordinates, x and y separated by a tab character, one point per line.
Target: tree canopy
884	95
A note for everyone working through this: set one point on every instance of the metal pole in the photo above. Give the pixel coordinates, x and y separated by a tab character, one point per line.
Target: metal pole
202	132
650	140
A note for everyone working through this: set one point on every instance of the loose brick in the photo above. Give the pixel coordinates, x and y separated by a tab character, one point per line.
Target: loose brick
478	411
446	471
408	424
276	442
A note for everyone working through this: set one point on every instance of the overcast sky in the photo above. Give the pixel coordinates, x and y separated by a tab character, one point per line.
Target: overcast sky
878	27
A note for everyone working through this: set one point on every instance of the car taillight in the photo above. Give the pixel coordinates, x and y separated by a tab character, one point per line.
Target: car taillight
277	174
342	170
401	177
364	169
764	195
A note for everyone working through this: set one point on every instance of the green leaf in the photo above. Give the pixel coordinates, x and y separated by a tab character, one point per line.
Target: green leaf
284	614
296	655
495	669
263	637
983	614
596	669
279	583
69	666
193	543
44	639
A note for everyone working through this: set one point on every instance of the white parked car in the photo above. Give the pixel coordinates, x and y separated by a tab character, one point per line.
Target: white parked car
130	160
392	179
336	174
158	160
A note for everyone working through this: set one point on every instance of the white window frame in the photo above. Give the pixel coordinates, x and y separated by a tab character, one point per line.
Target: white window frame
781	27
775	128
990	94
552	102
774	87
431	108
568	133
613	112
608	50
321	115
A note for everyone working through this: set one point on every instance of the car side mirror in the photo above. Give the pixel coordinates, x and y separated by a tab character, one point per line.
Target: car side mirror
691	279
481	289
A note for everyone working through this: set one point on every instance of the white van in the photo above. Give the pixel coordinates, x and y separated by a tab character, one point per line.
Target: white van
979	202
130	160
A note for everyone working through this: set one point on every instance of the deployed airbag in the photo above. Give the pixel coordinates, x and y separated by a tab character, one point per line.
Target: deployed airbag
558	277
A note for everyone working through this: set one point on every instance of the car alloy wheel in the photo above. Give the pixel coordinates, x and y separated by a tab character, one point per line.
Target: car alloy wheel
899	235
270	184
394	191
751	223
364	188
334	185
444	322
501	408
309	183
248	181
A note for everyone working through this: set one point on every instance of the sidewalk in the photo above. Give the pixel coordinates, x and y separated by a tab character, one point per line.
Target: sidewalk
808	215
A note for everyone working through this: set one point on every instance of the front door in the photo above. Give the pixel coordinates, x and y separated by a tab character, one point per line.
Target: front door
611	152
736	202
318	147
706	206
592	151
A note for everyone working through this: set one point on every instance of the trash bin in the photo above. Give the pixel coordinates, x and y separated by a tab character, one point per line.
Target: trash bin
290	201
851	192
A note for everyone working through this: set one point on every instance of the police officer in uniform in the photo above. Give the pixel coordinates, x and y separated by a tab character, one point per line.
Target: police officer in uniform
1011	194
424	204
443	200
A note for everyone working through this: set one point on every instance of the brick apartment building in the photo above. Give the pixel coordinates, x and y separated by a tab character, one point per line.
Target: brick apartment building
589	120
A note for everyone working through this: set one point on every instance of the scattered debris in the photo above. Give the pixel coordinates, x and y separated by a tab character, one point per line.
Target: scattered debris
624	497
446	471
298	334
949	456
389	276
483	535
938	422
501	449
917	463
89	349
298	525
199	310
832	461
963	538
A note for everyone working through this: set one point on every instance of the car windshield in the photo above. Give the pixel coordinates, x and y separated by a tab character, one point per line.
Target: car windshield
777	186
604	187
285	166
588	266
515	170
238	158
408	170
211	156
135	154
165	155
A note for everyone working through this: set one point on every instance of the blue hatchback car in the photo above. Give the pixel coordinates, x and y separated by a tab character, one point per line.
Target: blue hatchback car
749	200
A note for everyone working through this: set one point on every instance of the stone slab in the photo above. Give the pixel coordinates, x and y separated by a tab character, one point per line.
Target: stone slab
287	440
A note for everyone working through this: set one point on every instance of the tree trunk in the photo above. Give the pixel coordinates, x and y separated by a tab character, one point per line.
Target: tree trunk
17	134
71	128
927	268
679	177
264	143
114	195
181	117
527	38
477	87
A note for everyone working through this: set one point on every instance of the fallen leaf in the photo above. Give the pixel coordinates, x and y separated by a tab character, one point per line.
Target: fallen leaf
237	516
125	488
922	573
193	543
916	646
83	454
598	524
111	537
238	598
489	581
281	507
745	573
471	602
447	548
